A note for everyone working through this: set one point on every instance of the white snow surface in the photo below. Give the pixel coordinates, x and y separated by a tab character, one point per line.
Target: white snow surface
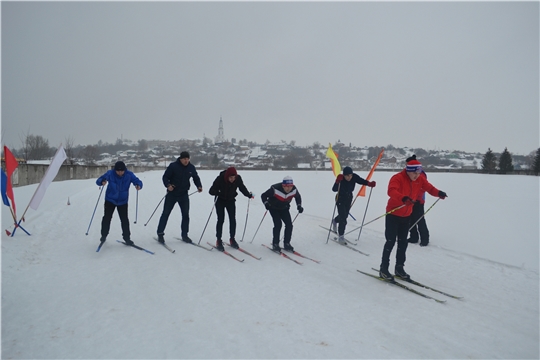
63	300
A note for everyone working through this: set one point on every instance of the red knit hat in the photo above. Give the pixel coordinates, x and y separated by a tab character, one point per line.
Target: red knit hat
230	172
414	166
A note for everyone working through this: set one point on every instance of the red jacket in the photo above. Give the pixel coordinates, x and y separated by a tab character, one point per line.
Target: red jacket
401	185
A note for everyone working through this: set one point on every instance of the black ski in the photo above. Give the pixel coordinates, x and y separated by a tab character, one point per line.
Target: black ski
303	256
393	282
423	286
100	245
192	243
225	252
347	246
333	232
244	251
136	247
282	254
165	246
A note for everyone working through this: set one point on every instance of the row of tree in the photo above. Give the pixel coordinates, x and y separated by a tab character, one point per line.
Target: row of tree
503	165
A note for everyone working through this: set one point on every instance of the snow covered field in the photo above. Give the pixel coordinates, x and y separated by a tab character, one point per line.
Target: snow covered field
62	300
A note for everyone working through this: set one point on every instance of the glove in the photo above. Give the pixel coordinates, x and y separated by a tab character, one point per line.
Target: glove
407	200
251	195
300	209
267	205
339	178
371	184
442	195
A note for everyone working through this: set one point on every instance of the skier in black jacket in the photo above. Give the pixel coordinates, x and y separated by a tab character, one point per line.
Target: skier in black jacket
224	188
277	200
176	180
344	185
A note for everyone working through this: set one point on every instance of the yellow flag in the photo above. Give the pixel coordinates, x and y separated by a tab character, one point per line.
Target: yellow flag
336	168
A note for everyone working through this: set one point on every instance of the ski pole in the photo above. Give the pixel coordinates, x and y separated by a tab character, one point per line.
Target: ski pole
158	206
136	207
211	211
298	213
369	222
333	214
245	225
94	210
258	227
365	212
413	225
155	210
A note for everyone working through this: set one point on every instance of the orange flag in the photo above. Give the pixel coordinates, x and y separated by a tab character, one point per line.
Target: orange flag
336	168
362	191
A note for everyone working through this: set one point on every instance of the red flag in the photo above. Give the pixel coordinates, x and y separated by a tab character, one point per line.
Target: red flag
362	191
11	165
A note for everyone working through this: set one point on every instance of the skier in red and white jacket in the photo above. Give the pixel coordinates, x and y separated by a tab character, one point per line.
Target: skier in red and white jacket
277	200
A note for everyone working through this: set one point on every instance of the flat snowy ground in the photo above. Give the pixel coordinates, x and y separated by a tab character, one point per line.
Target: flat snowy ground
62	300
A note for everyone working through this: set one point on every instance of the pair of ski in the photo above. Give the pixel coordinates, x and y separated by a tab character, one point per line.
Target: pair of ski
121	242
403	286
290	258
173	251
231	255
348	245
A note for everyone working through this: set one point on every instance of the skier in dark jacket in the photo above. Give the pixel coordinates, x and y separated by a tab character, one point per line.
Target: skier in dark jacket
344	186
116	197
176	180
420	230
277	200
224	189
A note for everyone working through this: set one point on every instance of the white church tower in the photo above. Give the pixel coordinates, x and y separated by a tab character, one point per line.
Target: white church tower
220	138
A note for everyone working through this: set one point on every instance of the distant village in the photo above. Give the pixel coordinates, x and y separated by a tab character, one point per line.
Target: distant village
220	152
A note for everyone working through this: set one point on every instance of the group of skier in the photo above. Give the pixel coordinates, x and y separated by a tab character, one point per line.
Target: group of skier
405	207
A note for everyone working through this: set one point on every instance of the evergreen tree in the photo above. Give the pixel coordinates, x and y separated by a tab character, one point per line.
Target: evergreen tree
489	162
536	163
505	162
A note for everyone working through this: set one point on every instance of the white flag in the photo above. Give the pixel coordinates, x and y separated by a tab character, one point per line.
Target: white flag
48	178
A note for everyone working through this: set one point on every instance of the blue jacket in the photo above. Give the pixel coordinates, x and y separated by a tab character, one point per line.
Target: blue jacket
178	175
118	186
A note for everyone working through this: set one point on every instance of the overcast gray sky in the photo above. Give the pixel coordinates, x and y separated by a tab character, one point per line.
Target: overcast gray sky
450	76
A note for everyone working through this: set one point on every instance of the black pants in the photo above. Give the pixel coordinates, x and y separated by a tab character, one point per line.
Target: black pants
221	205
343	208
396	228
420	227
280	216
170	201
107	216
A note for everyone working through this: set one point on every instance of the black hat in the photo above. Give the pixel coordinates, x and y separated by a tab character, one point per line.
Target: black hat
347	170
184	154
120	166
410	158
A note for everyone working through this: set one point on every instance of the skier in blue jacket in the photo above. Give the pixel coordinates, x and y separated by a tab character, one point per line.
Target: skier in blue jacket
116	197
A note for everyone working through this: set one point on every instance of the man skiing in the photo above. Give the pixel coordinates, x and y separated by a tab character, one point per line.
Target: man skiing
344	186
402	189
176	180
116	197
277	200
224	188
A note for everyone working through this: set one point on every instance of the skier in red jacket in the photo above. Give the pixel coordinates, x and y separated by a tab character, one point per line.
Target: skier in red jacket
402	189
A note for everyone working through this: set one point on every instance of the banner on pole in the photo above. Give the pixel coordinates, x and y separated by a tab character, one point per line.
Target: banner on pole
11	165
48	178
336	167
362	191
